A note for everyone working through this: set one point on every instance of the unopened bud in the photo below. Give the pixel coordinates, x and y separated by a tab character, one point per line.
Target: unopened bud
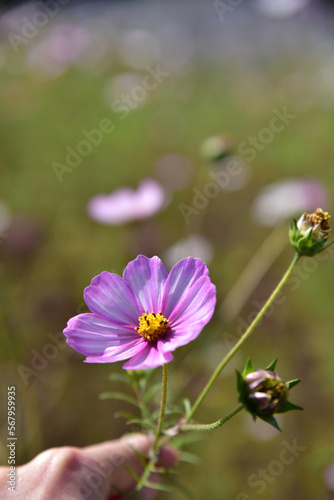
264	393
217	147
309	235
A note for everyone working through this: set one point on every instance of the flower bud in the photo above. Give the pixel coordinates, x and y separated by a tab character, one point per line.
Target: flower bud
264	392
217	147
309	235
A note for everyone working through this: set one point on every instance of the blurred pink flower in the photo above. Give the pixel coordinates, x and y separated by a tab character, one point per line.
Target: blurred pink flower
65	44
329	476
284	199
125	204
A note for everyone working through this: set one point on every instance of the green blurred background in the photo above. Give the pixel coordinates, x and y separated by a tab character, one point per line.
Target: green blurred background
225	76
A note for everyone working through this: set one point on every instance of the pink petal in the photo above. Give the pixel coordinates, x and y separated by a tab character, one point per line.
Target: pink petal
91	335
147	278
112	298
119	353
183	275
191	315
152	355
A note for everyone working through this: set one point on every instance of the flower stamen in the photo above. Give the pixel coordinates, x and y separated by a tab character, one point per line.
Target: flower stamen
152	326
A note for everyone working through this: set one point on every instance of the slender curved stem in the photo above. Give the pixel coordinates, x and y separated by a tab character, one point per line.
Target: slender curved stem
214	425
244	337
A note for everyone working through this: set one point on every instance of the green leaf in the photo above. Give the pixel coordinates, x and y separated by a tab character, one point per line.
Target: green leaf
141	458
119	377
190	458
143	377
170	410
271	421
132	473
118	395
143	423
288	407
125	414
157	486
272	365
152	391
186	438
187	406
294	382
182	489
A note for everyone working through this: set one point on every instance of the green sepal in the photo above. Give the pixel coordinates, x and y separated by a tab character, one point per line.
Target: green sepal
240	382
294	233
293	382
272	365
304	244
270	420
288	406
248	368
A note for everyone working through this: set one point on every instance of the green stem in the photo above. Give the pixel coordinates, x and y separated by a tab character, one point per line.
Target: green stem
151	463
214	425
245	336
162	407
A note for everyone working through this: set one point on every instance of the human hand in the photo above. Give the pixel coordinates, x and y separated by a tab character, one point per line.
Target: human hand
97	472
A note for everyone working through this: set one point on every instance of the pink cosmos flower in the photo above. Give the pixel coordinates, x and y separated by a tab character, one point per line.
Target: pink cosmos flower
125	204
287	198
145	315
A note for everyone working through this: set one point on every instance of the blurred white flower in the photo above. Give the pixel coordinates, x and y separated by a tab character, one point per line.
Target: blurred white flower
196	245
287	198
280	8
117	88
126	204
139	48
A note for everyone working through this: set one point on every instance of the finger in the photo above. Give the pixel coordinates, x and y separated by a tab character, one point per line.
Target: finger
114	456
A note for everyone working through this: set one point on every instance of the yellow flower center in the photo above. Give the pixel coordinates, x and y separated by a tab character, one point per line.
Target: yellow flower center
152	326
